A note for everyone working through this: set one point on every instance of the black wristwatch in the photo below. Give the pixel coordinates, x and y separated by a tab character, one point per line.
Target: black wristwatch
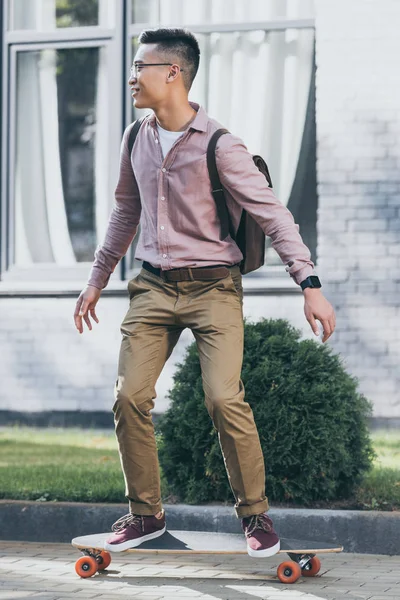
312	281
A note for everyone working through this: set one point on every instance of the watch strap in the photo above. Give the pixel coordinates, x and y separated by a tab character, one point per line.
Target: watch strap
311	281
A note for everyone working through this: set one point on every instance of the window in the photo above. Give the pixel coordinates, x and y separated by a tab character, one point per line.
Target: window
63	118
65	105
57	176
42	15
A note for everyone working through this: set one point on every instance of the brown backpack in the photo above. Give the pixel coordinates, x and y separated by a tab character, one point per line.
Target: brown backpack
249	237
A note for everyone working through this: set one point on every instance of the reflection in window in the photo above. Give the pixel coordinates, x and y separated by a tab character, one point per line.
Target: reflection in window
43	15
59	183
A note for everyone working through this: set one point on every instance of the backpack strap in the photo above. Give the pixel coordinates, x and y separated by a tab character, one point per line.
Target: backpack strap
262	166
133	133
216	187
131	140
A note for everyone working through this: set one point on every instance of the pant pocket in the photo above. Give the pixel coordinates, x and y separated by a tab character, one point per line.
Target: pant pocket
133	286
236	278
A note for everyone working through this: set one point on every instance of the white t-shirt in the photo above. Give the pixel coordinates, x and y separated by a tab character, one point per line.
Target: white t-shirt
167	139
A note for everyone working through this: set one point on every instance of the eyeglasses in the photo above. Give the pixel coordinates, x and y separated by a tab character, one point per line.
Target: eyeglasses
138	67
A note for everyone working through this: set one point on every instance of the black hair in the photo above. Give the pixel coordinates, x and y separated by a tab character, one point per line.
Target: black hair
179	42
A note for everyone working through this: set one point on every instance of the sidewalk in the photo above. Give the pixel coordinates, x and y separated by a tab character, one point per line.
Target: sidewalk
46	571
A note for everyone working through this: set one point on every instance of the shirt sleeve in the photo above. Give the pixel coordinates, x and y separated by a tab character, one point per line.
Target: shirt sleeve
249	188
123	223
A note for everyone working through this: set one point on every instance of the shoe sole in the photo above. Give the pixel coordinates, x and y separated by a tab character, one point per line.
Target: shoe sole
264	553
134	543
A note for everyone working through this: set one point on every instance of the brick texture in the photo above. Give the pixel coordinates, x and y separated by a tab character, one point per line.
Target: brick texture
358	149
47	365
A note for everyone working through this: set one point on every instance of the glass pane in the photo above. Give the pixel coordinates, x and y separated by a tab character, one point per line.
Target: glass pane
60	185
182	12
145	11
42	15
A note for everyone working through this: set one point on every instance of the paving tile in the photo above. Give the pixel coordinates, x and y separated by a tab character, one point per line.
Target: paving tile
14	595
47	571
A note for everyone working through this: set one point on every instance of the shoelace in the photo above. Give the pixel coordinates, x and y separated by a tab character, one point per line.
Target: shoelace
134	521
259	522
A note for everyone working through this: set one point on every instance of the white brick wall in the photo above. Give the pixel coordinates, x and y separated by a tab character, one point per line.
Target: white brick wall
358	148
47	365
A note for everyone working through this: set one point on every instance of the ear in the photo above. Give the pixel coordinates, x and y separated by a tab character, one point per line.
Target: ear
173	73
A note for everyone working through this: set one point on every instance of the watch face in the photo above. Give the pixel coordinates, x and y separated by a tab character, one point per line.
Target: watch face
315	281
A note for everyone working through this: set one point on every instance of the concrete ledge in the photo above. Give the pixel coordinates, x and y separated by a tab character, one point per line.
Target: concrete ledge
369	532
102	419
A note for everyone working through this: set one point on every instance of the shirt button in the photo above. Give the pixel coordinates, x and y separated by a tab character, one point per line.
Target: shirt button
163	169
162	197
164	256
162	227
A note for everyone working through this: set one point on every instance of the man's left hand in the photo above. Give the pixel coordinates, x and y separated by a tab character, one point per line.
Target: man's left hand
316	306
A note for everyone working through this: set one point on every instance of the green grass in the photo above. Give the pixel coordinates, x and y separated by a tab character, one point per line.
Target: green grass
83	465
58	464
381	486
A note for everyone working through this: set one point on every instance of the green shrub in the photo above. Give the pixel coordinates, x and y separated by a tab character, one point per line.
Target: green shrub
311	420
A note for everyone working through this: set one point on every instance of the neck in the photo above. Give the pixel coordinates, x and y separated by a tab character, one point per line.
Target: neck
175	116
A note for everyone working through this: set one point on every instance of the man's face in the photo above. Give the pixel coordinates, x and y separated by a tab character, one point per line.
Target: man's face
148	83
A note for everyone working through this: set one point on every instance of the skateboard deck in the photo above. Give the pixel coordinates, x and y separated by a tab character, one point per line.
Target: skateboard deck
302	552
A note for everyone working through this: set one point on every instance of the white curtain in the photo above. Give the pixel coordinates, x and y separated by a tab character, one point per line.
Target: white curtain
102	148
32	14
41	223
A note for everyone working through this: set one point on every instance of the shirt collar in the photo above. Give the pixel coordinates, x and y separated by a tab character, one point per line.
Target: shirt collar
199	122
201	119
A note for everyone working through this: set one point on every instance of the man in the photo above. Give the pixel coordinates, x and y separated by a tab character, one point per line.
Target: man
190	278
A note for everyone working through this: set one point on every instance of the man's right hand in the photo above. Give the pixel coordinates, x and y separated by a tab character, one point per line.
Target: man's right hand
86	304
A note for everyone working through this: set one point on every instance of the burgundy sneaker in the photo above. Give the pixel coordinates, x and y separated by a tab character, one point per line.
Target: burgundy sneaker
132	530
261	538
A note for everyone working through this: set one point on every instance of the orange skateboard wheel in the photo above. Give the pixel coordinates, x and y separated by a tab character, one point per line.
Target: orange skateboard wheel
314	567
103	560
86	566
288	571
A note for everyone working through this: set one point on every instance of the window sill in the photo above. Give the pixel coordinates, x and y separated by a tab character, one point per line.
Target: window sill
72	289
41	283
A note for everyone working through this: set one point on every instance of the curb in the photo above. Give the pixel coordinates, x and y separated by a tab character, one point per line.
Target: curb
365	532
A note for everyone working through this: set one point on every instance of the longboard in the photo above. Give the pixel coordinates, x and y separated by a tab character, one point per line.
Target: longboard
301	552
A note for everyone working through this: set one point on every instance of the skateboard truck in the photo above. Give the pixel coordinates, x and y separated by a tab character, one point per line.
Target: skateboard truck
302	559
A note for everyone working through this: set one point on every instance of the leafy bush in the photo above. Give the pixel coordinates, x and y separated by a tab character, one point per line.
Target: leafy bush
311	420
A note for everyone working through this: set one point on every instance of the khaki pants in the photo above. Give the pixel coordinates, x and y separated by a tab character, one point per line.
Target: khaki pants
158	312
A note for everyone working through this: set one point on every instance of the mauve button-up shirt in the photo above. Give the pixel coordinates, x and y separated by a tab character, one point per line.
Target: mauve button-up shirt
171	199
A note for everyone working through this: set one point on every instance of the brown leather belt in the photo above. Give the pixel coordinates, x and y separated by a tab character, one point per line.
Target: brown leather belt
188	273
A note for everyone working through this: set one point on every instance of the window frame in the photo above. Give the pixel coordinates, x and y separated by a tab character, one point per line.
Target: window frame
31	40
